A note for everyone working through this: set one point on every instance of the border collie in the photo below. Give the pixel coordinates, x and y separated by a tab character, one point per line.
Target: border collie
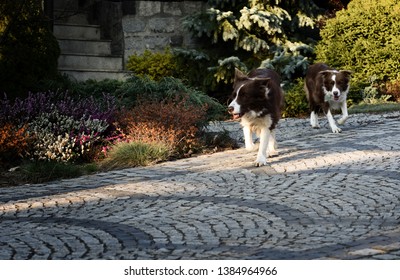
257	100
327	88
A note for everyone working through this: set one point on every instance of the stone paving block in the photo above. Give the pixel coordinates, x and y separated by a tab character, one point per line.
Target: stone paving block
326	196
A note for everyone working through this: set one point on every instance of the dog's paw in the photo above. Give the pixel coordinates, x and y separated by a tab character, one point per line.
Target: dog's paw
342	121
260	162
251	147
316	126
336	129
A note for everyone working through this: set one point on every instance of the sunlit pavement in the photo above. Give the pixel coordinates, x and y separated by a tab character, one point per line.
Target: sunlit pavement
326	196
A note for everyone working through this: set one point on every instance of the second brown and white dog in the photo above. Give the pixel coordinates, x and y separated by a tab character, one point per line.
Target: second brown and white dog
327	89
257	99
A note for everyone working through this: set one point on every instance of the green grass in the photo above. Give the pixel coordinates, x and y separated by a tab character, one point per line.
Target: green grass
124	155
374	108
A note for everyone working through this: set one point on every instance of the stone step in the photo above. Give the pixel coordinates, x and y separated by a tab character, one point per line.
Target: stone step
76	31
83	54
98	75
85	61
70	17
101	47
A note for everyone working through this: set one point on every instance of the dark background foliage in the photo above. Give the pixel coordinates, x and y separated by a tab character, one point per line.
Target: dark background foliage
28	49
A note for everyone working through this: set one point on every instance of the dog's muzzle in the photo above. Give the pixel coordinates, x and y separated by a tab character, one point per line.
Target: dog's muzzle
336	95
234	115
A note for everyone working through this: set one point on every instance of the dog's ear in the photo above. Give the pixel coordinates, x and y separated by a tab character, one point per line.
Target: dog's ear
347	73
263	81
263	84
325	73
239	75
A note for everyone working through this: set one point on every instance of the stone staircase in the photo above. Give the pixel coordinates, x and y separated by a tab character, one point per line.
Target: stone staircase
84	55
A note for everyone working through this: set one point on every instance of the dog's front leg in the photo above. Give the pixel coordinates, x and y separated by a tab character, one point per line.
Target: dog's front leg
314	120
262	149
345	114
332	122
272	146
248	138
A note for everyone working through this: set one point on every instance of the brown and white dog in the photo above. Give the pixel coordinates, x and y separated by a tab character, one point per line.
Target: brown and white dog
327	88
257	98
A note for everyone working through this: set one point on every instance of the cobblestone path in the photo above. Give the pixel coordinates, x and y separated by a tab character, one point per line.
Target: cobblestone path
325	196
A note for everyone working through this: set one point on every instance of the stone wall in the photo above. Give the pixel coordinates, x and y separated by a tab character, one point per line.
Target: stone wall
154	25
133	26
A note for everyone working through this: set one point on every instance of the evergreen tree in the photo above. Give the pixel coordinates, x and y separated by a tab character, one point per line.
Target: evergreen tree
251	33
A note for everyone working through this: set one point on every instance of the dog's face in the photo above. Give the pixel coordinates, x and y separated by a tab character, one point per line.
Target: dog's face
335	84
249	95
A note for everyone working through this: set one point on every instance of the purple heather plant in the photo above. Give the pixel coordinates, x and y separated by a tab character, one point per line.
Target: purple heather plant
80	122
24	110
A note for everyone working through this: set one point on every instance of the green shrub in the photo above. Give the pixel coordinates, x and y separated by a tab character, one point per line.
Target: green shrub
89	88
194	64
373	94
154	65
364	38
137	88
296	104
356	91
189	65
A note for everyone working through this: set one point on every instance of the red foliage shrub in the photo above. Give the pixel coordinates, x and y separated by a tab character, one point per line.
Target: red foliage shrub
174	123
393	88
13	140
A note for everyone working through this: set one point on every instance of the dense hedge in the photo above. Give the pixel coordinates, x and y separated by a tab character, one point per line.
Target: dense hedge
364	38
296	104
188	65
154	65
